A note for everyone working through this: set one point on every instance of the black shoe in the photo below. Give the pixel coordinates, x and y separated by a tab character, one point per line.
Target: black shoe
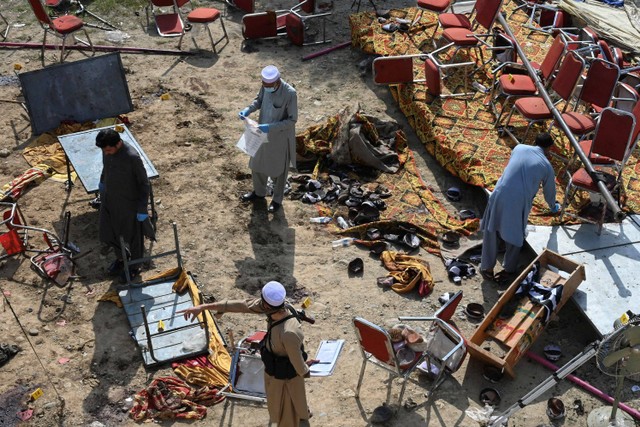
249	197
274	206
115	268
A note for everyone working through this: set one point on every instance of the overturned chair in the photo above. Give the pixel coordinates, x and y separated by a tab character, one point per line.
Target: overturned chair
441	351
298	22
265	25
389	70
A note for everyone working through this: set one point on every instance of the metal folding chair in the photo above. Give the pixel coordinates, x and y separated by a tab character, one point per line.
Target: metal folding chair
62	27
265	25
444	350
389	70
597	91
512	81
168	23
297	23
534	109
461	31
615	138
203	16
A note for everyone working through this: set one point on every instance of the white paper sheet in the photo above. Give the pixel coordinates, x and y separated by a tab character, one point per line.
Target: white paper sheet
252	138
327	354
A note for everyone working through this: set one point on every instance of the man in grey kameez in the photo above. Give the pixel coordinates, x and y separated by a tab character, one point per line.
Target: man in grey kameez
507	211
124	193
278	105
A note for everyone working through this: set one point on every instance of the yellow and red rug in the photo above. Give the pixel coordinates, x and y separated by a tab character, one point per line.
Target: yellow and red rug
460	132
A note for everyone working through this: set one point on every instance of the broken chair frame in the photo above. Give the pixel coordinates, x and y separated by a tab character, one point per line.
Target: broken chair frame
146	339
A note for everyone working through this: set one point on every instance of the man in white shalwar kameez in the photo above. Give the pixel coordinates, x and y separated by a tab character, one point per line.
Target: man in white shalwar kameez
507	211
278	104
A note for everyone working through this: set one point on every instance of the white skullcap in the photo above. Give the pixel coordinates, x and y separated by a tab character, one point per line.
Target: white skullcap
270	74
274	293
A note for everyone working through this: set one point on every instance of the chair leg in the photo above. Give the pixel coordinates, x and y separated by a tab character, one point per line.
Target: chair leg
404	386
213	44
93	49
364	365
62	46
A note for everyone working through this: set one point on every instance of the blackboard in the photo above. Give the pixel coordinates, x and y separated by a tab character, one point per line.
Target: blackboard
85	90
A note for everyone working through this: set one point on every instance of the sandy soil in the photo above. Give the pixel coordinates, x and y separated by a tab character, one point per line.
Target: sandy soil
232	248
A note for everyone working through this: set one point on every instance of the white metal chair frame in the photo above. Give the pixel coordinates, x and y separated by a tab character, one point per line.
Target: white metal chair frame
394	366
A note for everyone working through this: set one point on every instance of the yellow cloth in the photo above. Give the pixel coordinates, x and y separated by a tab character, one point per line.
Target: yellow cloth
111	296
408	271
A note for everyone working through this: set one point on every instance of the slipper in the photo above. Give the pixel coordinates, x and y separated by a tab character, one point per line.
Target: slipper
504	277
466	214
487	275
390	28
552	352
555	409
453	194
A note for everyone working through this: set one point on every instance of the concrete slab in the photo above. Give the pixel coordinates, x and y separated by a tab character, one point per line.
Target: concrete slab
611	264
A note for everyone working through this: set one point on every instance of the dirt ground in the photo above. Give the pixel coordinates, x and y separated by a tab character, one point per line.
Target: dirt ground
232	248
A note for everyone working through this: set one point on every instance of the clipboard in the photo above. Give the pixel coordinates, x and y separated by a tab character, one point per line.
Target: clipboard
327	354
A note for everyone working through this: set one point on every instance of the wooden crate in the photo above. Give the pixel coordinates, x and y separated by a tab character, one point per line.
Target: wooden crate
502	341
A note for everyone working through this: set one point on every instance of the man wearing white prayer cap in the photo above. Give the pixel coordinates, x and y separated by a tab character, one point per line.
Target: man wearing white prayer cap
278	104
284	375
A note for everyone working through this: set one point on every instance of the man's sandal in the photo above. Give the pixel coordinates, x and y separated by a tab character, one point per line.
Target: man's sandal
504	277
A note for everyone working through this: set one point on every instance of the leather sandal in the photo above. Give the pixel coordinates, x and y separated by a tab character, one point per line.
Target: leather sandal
504	277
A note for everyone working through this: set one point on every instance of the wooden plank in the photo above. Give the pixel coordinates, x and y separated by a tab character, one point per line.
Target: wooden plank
525	309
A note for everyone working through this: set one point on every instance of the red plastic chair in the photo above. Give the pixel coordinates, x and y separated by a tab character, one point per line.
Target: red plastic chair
534	109
609	151
61	27
511	80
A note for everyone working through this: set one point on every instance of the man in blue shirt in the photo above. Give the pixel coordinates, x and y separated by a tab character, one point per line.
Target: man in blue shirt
507	211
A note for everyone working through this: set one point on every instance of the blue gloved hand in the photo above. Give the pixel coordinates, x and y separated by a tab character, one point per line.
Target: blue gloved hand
142	216
101	187
243	114
264	127
556	208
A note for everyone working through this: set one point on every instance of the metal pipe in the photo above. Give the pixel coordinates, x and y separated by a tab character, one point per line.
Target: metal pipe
325	51
100	48
618	214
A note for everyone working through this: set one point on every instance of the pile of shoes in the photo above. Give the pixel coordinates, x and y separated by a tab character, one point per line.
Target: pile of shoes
459	270
378	241
364	201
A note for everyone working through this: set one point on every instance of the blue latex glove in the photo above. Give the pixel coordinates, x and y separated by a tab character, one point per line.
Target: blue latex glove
264	127
556	208
101	187
142	216
243	114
